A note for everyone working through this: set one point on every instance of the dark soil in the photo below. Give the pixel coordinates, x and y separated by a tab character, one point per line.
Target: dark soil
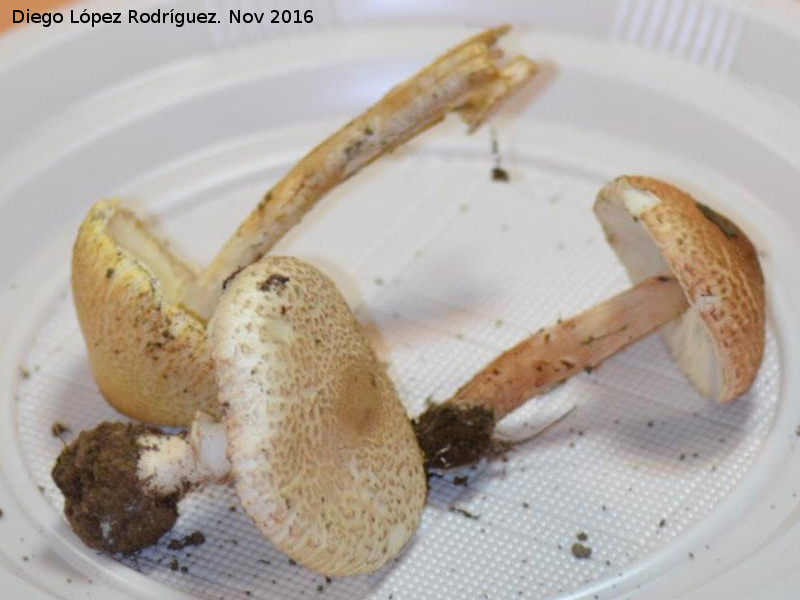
500	174
193	539
105	503
452	436
581	551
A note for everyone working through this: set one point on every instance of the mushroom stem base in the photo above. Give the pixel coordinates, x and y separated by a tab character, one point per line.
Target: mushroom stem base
175	463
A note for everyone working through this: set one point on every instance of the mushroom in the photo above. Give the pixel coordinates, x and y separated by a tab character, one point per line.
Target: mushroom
143	312
696	278
314	438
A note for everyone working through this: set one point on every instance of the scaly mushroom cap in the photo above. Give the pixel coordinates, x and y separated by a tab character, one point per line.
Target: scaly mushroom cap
654	227
149	357
323	455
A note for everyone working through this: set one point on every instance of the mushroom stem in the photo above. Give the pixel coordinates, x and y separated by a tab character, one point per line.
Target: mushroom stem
555	353
467	79
174	463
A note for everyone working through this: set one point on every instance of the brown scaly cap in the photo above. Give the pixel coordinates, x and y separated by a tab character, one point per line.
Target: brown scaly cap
149	357
323	455
654	227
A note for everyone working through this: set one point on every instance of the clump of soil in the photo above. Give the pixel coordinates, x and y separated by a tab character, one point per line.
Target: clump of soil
195	538
581	551
453	436
105	502
500	174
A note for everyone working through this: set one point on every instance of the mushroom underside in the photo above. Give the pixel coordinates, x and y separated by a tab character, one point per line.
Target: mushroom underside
130	234
686	336
654	227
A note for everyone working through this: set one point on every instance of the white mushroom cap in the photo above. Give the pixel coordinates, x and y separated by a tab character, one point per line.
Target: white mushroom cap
656	228
323	455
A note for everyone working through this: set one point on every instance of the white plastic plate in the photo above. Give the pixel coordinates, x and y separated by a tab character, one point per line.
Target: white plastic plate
445	267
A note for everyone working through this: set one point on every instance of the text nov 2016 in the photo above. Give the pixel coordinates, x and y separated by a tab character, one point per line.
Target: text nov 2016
275	16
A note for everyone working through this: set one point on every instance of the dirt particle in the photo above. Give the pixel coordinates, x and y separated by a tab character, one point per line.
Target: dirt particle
582	536
463	513
231	277
59	429
274	282
500	174
173	565
378	281
461	480
195	538
662	523
580	551
353	149
25	373
264	201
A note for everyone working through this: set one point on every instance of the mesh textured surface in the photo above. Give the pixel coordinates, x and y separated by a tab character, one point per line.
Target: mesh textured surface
446	268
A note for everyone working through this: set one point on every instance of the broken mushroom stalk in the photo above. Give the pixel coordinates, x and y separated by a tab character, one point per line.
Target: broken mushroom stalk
696	278
313	438
143	312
